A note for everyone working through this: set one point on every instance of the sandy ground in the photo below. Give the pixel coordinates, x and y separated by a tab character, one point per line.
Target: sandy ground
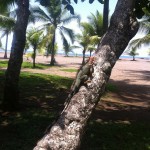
132	79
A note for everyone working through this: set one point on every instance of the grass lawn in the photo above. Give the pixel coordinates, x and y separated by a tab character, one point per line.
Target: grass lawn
69	70
3	64
42	98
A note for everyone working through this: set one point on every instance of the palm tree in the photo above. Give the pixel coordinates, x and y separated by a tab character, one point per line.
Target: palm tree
96	23
48	37
86	40
144	27
105	15
35	39
91	49
68	48
55	15
7	23
133	53
11	94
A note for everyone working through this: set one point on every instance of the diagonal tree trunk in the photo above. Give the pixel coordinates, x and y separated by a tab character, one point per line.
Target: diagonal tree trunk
11	91
66	133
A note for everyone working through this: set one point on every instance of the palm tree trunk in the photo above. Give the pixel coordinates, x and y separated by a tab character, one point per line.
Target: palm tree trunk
53	51
5	55
11	90
34	55
105	15
90	53
83	59
68	130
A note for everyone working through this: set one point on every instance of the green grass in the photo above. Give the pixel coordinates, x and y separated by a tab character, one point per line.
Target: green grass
3	64
69	70
117	136
111	87
42	98
38	66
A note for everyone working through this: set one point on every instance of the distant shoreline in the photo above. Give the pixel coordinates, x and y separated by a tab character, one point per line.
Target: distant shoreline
87	55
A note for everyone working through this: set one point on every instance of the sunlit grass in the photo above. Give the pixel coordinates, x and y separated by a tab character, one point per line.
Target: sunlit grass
69	70
3	64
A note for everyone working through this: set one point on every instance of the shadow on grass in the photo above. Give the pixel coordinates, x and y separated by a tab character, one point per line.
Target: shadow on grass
41	99
21	130
117	136
115	126
121	122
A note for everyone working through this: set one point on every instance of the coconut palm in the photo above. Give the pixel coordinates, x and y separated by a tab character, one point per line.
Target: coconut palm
91	32
47	39
55	15
7	23
105	15
133	53
35	39
5	4
96	23
86	40
144	27
68	48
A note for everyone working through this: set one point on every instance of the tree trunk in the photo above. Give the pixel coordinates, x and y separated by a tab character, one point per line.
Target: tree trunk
90	53
5	55
34	55
53	51
83	59
105	15
11	90
66	133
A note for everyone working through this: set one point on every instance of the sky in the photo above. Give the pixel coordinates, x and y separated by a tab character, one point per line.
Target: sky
85	9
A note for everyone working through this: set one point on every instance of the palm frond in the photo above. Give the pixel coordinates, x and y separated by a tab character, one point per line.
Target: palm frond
70	18
91	47
138	42
5	3
39	14
94	40
88	28
68	32
6	21
97	22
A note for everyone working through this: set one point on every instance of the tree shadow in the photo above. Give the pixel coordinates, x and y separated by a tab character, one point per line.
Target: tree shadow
41	100
121	121
130	91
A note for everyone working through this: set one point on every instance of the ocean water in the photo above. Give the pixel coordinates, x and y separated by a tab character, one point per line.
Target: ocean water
87	55
121	57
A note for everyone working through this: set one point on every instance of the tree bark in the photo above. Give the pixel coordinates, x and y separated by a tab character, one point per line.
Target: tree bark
34	55
5	55
66	133
11	90
83	58
53	50
105	15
